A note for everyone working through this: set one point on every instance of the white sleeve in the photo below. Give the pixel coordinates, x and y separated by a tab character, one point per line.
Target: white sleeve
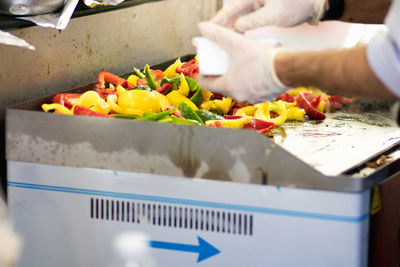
383	51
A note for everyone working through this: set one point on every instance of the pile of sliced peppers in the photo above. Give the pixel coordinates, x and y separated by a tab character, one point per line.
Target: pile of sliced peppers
173	96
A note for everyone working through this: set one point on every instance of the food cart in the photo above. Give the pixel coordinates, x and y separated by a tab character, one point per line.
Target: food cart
210	196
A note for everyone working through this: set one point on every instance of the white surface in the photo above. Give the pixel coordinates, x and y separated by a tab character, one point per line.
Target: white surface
213	60
50	206
10	242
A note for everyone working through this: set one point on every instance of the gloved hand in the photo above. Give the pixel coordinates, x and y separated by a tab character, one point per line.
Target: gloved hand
251	74
244	15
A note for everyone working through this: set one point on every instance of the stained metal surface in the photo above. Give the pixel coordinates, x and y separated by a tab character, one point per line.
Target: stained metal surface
134	146
33	7
343	140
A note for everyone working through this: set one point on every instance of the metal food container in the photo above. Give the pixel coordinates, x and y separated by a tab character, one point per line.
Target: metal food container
29	7
235	190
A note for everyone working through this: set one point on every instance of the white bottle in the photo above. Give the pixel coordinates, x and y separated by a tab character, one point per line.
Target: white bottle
132	250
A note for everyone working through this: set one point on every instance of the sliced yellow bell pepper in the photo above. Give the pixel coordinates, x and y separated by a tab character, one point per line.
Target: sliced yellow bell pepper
120	89
295	113
170	72
273	106
262	111
282	113
184	86
58	107
206	105
132	79
280	107
220	106
175	98
146	101
237	123
206	94
296	91
111	100
89	99
93	100
320	106
315	91
100	108
246	111
224	105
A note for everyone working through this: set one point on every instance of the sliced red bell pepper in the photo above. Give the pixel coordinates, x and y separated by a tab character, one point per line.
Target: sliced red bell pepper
315	102
217	96
192	93
232	117
286	97
176	113
189	63
263	131
66	99
218	124
164	88
259	125
105	92
141	81
256	124
189	69
158	75
233	111
337	101
81	110
237	104
311	112
112	78
308	95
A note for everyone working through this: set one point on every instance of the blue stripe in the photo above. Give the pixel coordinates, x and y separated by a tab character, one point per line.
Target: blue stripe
190	202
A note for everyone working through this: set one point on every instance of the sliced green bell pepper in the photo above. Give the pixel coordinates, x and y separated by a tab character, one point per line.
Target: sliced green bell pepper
151	82
177	120
206	115
138	73
189	113
197	98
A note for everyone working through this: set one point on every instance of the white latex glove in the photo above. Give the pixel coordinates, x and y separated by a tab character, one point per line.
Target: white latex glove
251	74
244	15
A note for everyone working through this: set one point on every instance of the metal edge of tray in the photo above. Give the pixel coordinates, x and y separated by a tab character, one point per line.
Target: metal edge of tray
242	156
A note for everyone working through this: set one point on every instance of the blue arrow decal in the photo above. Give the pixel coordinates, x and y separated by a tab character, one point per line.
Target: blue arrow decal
205	249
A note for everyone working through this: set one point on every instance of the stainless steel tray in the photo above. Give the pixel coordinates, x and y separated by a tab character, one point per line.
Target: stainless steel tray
330	154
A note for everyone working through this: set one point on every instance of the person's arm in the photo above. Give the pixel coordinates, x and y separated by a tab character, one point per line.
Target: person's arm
345	72
361	11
